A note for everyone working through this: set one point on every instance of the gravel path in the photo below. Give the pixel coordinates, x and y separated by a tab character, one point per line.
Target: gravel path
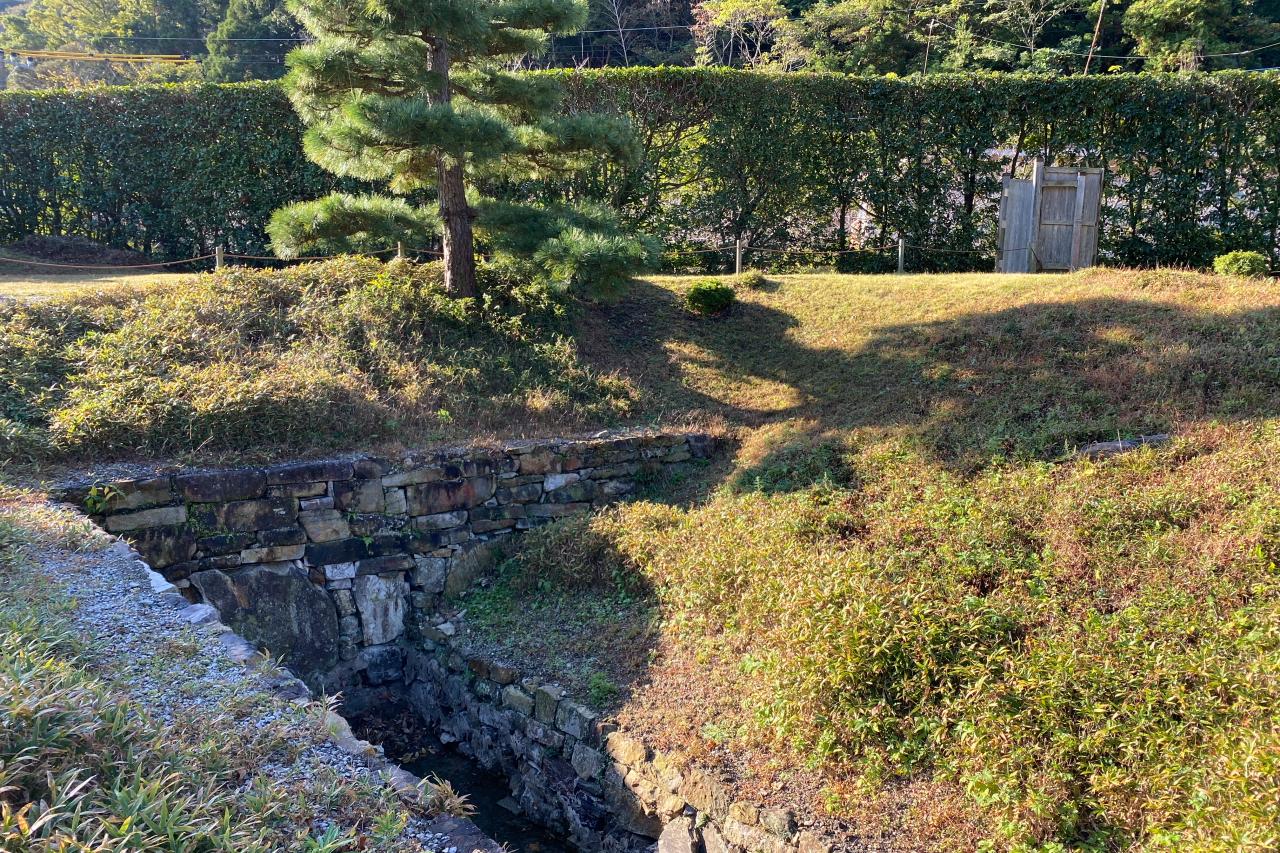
190	673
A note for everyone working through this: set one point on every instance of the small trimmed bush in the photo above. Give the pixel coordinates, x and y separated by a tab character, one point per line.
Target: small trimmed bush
1242	263
709	296
752	280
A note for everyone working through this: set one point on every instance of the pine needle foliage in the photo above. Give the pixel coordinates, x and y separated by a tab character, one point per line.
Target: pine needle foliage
417	94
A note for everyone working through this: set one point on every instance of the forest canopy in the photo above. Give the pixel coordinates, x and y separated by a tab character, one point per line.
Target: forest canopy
233	40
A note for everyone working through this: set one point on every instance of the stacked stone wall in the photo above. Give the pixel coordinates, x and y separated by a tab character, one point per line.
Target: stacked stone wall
576	772
334	564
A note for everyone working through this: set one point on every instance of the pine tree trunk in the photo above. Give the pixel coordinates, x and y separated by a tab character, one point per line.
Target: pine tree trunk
455	213
459	244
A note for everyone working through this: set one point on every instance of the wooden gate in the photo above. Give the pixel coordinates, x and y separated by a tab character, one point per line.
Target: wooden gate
1051	221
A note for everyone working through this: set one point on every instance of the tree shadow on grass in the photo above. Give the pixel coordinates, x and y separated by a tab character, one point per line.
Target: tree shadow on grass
1035	380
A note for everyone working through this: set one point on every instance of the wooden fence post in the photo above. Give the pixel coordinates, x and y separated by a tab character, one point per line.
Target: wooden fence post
737	256
902	254
399	251
219	257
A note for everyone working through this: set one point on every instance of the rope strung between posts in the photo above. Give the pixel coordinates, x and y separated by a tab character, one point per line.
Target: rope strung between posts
104	266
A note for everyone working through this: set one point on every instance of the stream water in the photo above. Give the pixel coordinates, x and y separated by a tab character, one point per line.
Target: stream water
486	791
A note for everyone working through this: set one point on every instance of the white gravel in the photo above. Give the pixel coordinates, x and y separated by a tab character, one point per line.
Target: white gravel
183	667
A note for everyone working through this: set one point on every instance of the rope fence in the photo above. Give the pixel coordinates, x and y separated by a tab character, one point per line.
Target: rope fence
220	257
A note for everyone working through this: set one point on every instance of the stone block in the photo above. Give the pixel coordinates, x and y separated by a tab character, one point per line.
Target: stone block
225	543
392	563
546	699
339	551
587	762
626	751
429	573
395	502
369	468
544	734
380	602
779	822
308	472
277	554
324	525
139	519
263	514
344	601
559	481
713	841
610	472
382	664
703	792
481	526
616	488
358	496
751	837
412	477
277	605
298	490
574	719
678	837
442	497
811	842
340	571
139	494
440	521
163	546
503	674
457	469
541	462
221	486
291	535
744	813
572	493
317	503
517	700
523	493
556	510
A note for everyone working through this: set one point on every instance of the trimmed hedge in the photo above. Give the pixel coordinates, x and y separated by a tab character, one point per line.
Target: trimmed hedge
168	170
780	160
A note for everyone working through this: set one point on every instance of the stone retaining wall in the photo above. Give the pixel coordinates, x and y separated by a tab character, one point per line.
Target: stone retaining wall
578	774
334	565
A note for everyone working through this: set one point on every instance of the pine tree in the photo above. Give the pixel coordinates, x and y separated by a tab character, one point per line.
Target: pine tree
416	92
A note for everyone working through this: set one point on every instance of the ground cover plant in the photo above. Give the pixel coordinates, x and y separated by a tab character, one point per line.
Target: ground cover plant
910	606
86	765
318	356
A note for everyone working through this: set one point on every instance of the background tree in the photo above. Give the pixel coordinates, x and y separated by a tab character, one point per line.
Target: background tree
415	92
251	41
737	32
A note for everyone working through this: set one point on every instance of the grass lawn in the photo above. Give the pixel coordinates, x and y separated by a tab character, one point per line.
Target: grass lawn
23	281
904	605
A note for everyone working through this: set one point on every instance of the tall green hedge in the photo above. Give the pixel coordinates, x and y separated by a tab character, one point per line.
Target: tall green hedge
1193	162
168	170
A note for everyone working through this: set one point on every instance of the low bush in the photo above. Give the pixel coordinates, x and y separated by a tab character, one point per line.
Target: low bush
315	356
1242	263
709	296
752	280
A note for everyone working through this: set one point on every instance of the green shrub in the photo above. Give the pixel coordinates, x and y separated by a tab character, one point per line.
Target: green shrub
1242	263
751	280
144	166
709	296
314	356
